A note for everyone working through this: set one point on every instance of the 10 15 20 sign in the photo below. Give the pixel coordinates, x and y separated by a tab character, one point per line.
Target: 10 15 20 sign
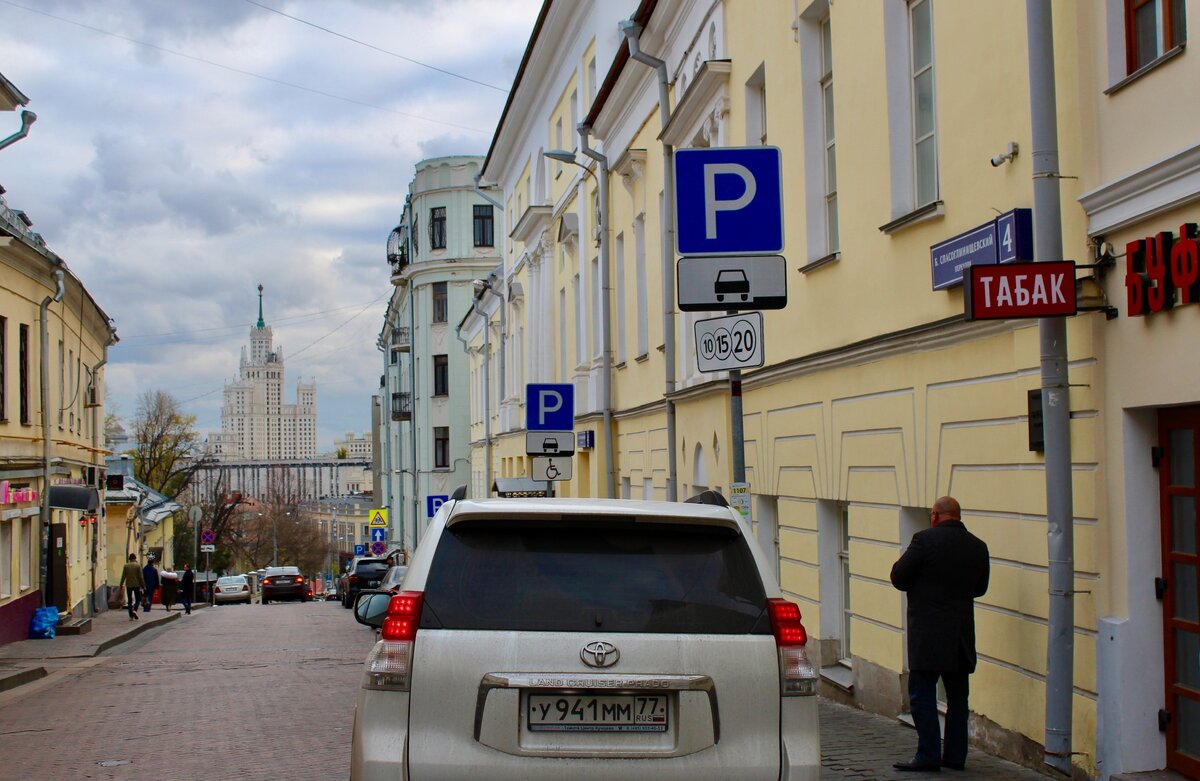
1158	266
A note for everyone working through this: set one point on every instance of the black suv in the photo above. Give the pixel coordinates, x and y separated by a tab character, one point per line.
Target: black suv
366	574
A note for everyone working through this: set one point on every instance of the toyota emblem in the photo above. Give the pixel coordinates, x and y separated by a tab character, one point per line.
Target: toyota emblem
599	654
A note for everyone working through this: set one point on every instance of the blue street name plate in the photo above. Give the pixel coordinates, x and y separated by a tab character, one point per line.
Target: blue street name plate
1006	239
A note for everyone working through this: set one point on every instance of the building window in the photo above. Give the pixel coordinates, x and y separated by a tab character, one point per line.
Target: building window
3	368
6	552
439	302
639	267
441	447
415	244
756	107
925	174
23	371
441	375
619	262
844	582
1152	28
26	553
437	227
831	212
484	225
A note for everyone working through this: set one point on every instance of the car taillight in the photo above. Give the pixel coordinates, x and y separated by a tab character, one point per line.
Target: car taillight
404	613
245	587
267	581
298	580
389	665
352	580
797	676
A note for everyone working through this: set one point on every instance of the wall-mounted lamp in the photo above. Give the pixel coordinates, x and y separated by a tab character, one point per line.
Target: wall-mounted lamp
1006	156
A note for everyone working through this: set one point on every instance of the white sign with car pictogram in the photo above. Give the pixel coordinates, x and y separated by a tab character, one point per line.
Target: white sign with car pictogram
730	342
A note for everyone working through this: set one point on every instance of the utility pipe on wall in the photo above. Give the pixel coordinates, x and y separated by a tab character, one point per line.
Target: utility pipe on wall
43	312
112	339
1052	335
632	32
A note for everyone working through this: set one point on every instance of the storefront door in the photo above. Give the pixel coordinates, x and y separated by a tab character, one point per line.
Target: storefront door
1179	478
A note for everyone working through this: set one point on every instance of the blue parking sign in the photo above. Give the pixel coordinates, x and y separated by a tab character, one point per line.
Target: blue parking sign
360	550
433	502
550	407
729	201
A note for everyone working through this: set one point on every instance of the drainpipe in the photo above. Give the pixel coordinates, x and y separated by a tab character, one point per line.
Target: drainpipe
1052	336
112	339
487	388
605	314
43	313
632	32
27	119
502	376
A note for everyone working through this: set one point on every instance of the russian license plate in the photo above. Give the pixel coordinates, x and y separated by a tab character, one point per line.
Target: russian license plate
596	712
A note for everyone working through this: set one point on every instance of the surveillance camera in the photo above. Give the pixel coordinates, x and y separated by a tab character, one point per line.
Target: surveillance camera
1005	156
999	160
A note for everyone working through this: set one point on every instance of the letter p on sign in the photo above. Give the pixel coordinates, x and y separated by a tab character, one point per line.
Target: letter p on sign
550	407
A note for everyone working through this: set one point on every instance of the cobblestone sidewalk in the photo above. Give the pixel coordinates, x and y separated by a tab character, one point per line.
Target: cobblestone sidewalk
860	745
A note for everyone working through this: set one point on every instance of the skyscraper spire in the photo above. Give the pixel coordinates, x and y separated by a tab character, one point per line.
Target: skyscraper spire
261	324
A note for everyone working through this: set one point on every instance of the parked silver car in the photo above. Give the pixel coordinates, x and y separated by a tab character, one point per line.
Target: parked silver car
232	588
586	639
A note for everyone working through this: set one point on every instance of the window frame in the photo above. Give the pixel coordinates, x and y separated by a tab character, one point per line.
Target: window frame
441	447
437	227
24	378
441	374
829	137
916	73
483	225
1167	36
439	295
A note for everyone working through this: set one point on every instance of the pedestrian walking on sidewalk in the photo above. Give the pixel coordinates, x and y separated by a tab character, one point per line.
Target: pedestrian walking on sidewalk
150	575
170	588
134	582
186	585
943	570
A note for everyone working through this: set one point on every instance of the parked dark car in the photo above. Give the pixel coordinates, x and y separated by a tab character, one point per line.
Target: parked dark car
366	574
393	578
284	583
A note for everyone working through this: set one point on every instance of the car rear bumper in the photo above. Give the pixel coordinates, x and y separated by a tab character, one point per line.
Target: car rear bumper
379	748
284	592
235	596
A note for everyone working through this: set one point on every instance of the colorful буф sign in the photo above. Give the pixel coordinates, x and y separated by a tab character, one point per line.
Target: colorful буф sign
1157	266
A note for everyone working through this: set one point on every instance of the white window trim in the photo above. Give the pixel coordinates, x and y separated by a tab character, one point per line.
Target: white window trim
812	99
932	70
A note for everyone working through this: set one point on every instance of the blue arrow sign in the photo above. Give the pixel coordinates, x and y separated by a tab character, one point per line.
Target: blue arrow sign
378	535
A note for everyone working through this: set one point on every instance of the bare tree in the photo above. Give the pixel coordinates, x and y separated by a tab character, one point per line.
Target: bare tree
167	449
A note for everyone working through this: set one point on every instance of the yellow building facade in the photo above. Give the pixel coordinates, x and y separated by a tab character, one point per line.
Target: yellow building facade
901	124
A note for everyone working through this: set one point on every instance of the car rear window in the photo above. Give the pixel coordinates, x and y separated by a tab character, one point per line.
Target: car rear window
580	577
372	568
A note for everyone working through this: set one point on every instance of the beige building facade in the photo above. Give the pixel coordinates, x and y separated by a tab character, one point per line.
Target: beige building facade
901	125
54	341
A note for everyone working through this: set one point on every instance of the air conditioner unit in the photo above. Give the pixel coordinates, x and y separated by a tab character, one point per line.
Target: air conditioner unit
90	397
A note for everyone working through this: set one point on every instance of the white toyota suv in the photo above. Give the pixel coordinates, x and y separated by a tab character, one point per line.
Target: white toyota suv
586	639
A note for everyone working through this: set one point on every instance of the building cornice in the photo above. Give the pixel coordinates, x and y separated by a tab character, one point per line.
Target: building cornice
1151	190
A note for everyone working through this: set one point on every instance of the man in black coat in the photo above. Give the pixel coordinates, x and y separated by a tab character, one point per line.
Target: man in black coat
944	569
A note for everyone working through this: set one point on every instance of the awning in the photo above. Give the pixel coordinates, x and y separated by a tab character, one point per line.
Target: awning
84	498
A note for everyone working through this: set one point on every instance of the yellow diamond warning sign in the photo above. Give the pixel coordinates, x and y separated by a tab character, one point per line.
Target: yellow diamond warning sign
379	518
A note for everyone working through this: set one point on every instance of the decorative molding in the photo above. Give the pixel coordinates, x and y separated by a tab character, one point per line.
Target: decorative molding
1153	189
533	219
710	86
630	166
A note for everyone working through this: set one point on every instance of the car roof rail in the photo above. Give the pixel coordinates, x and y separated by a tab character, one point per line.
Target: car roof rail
708	497
459	493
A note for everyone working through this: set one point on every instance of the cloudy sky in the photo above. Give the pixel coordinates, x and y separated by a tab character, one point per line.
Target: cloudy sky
188	150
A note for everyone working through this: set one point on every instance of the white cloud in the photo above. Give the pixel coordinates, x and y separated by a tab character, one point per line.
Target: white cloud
172	187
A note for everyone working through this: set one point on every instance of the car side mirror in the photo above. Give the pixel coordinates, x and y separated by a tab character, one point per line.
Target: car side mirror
371	607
